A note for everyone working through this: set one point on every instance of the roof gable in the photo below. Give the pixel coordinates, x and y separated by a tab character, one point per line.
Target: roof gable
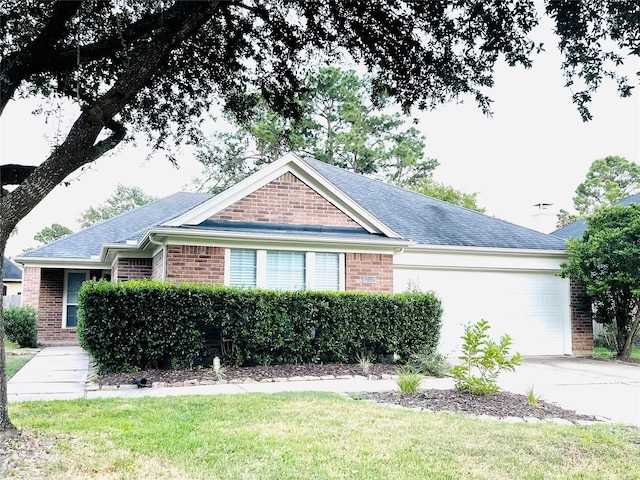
274	172
288	200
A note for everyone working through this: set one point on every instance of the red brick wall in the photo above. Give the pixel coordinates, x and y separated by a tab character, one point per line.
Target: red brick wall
43	289
286	200
581	322
132	269
157	265
359	265
188	263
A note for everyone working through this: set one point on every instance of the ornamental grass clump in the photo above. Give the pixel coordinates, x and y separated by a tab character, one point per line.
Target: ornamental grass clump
483	360
408	381
364	360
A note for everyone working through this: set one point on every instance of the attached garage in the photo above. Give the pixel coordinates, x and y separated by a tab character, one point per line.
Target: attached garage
518	294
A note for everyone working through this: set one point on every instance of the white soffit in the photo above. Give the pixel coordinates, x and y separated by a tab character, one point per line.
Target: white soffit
300	169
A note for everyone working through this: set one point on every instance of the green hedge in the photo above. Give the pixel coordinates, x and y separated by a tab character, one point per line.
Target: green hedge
140	325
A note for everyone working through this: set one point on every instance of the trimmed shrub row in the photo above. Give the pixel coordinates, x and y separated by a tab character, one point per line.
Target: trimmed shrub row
140	325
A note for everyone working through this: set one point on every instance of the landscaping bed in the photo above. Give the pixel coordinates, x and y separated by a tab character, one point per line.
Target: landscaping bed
501	405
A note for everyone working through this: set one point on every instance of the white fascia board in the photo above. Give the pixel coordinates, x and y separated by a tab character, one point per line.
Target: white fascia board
490	250
479	258
261	240
298	167
68	263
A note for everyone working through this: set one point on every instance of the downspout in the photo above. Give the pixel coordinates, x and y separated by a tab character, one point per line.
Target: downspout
164	255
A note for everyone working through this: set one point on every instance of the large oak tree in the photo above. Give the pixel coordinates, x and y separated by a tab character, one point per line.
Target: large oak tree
155	67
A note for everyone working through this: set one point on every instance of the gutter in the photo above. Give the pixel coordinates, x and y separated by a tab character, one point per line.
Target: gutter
234	238
163	246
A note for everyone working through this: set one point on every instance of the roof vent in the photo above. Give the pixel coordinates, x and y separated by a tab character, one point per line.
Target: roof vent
131	242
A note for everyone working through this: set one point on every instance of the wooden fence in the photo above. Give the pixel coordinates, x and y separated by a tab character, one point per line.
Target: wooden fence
11	300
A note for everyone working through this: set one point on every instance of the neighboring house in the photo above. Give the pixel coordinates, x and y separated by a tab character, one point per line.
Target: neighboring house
11	278
306	224
577	228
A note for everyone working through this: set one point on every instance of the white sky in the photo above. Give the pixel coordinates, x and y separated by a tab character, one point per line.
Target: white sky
534	149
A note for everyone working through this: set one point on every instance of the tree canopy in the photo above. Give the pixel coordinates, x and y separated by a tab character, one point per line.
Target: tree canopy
447	193
608	181
122	200
156	67
52	233
607	260
340	125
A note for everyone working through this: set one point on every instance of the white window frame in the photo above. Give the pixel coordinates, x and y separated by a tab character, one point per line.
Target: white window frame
227	264
310	272
65	290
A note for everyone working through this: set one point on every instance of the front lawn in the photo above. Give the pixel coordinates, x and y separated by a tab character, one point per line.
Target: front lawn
15	363
15	358
313	436
602	352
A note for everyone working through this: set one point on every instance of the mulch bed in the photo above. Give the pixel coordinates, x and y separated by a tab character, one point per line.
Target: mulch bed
257	373
500	405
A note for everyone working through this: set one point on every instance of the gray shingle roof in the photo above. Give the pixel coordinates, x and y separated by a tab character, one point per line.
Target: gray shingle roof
130	225
577	228
429	221
10	271
413	216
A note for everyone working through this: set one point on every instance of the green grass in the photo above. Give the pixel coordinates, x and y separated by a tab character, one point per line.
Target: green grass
313	436
602	352
8	344
14	362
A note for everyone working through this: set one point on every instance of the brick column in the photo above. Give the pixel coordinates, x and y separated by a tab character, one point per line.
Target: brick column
31	286
581	321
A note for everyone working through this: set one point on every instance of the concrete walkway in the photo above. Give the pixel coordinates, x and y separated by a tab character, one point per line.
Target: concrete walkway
54	373
606	389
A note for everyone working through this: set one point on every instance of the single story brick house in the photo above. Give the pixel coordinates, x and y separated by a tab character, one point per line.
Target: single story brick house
300	223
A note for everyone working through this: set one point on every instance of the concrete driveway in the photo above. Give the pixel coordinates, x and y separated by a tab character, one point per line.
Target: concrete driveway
607	389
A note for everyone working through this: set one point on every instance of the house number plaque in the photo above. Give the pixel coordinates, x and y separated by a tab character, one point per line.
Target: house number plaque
369	279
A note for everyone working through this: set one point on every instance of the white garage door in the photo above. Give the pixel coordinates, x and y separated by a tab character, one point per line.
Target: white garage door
531	307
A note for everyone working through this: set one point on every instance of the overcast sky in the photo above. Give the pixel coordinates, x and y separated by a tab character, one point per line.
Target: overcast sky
535	148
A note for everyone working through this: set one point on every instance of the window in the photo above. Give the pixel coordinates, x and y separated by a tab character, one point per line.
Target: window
72	284
4	290
327	275
242	272
285	270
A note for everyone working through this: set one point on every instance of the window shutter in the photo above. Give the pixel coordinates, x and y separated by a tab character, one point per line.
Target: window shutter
286	270
327	271
243	268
